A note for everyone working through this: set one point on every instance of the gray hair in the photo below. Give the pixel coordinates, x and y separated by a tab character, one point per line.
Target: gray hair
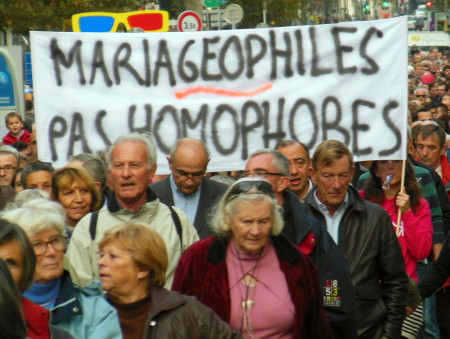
280	162
9	150
227	207
421	89
38	215
96	169
144	138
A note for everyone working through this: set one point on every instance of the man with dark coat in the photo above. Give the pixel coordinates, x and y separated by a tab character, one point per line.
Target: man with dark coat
363	231
187	187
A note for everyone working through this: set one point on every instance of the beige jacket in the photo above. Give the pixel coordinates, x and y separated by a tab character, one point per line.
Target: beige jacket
82	254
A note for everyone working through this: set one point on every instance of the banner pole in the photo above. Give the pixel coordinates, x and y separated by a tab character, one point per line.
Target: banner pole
402	189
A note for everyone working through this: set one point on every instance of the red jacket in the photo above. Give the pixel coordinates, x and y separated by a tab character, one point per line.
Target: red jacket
445	167
202	272
10	139
37	319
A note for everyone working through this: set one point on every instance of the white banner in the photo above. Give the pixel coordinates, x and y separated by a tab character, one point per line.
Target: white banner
239	90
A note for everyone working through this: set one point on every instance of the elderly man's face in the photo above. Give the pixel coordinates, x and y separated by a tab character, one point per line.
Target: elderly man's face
8	164
188	167
130	174
421	96
261	165
430	150
332	182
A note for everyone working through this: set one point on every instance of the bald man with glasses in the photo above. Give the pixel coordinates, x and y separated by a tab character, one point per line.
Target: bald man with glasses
187	187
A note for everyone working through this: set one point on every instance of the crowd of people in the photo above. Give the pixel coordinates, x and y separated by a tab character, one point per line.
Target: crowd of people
296	245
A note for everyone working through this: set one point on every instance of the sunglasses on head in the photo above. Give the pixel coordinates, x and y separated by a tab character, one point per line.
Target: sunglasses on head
103	22
252	187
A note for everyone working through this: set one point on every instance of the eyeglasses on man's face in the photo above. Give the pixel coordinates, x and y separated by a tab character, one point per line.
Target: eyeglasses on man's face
185	175
8	169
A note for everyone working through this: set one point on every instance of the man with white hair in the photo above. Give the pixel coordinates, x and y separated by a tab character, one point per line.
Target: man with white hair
131	163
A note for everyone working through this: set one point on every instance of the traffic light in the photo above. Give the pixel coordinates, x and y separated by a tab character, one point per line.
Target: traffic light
385	5
429	4
367	9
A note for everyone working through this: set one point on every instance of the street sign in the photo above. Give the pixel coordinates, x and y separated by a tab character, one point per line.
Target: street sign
233	14
189	21
212	3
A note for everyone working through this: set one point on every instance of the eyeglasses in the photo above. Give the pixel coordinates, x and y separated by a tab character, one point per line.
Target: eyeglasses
58	243
102	22
253	187
33	143
8	169
259	173
185	175
421	96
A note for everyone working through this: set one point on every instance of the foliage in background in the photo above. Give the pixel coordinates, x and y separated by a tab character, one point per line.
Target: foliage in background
22	16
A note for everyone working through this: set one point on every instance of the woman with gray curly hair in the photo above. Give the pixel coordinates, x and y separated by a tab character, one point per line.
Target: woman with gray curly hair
249	274
83	312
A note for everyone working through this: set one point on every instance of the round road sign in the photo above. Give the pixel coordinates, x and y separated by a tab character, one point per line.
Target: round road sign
189	21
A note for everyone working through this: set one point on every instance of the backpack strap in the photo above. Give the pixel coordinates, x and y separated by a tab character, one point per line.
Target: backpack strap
176	221
93	225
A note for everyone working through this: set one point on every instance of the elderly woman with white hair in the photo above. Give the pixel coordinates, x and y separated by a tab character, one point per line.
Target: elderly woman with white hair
83	312
249	274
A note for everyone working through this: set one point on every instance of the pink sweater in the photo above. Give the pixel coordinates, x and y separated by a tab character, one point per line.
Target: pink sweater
416	232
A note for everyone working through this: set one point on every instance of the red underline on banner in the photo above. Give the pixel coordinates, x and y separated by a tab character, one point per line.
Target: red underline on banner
223	92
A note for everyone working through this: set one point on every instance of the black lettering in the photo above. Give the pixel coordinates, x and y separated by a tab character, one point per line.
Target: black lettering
123	62
188	122
374	68
333	125
239	59
58	58
252	58
280	53
341	49
163	60
390	106
148	71
246	128
98	61
99	127
221	110
132	118
189	64
356	126
157	130
77	134
207	55
312	111
315	69
55	133
278	134
300	62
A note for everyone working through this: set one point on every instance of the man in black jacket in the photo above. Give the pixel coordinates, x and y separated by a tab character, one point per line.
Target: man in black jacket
187	187
364	233
312	238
